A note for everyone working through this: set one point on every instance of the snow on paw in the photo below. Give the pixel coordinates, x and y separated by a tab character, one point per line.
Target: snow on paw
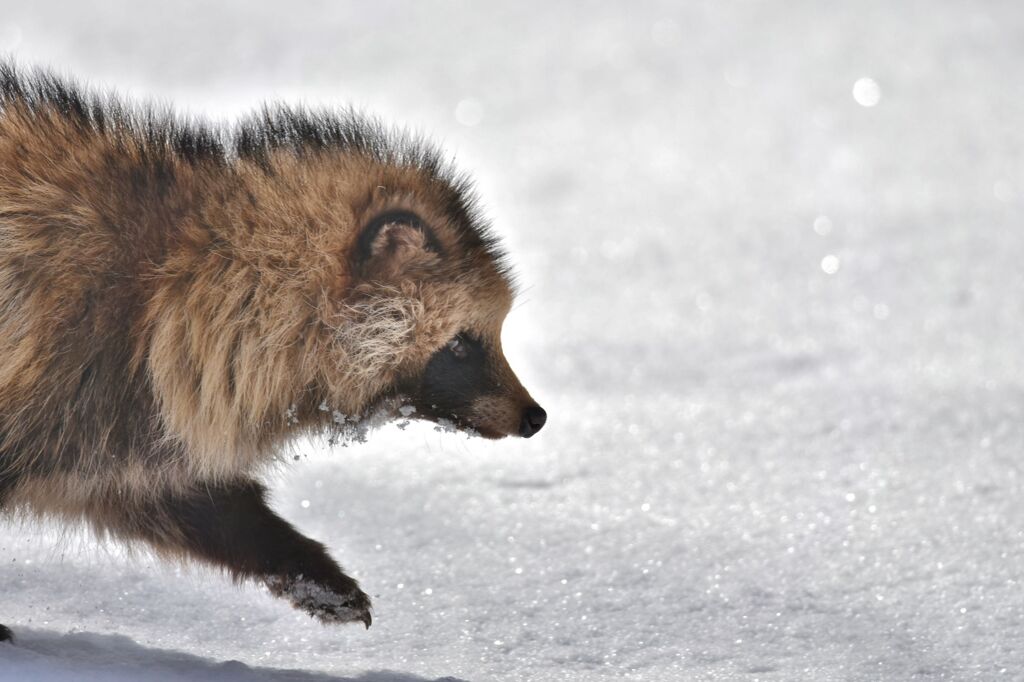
343	603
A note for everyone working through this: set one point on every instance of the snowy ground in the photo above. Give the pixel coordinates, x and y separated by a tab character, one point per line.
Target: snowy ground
778	333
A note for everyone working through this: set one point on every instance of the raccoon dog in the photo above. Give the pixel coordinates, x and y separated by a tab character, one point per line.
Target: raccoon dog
179	301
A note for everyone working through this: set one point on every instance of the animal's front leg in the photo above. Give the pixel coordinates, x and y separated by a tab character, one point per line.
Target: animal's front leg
230	525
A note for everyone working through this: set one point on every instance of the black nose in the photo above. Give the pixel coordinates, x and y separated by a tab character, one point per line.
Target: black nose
534	417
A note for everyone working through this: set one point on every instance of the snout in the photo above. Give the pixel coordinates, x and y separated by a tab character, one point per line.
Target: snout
469	383
498	417
533	420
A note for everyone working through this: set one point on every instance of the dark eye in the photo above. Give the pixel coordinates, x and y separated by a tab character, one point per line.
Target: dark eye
457	347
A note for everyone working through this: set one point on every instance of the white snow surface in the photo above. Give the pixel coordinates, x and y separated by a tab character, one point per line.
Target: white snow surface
778	333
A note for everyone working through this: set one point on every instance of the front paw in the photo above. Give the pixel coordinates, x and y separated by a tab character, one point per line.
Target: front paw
340	602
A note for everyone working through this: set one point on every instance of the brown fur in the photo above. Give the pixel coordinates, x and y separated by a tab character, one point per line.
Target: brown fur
176	303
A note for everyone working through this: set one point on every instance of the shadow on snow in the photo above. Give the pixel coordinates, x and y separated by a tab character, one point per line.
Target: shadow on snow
42	655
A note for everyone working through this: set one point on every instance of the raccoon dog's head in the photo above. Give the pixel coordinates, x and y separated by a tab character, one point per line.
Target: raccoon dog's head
325	265
425	308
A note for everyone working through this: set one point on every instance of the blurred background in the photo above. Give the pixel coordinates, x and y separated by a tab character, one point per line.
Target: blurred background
771	298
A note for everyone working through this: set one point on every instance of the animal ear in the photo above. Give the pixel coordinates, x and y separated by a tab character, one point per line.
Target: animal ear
396	242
